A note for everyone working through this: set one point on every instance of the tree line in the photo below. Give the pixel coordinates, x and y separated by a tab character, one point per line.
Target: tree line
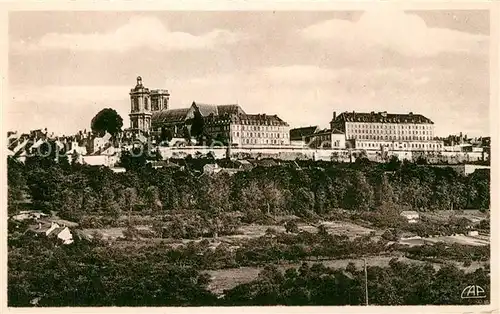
314	188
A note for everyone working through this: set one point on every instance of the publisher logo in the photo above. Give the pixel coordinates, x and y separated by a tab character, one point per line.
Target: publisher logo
473	292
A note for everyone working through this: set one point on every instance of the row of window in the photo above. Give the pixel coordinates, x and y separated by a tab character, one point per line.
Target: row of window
364	131
255	141
218	128
395	145
391	137
258	128
260	135
388	126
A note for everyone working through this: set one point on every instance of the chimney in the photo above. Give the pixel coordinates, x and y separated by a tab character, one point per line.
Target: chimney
334	116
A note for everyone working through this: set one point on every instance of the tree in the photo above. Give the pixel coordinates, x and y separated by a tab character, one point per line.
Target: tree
360	193
130	198
291	226
273	197
166	135
71	205
322	231
107	120
134	159
385	197
394	163
153	198
198	124
186	134
108	203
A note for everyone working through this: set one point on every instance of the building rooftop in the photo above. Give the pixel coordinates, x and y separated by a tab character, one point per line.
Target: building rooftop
382	117
170	115
408	212
299	133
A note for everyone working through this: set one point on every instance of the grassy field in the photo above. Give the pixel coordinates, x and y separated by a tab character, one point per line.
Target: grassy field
460	239
225	279
350	229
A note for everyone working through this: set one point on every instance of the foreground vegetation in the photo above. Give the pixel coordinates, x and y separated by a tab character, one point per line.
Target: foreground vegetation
188	205
90	274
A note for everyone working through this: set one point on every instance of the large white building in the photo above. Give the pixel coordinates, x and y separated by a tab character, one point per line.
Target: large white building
375	131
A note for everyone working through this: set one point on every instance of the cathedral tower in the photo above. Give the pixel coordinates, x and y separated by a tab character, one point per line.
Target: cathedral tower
140	113
159	99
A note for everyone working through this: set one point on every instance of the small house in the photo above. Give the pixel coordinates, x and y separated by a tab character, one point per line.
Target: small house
211	169
62	233
53	229
245	164
473	233
46	227
410	215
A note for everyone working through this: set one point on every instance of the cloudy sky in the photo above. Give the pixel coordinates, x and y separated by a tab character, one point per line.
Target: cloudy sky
65	66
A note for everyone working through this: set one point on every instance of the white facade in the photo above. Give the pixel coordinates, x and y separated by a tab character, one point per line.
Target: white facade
338	141
395	145
411	216
389	131
259	134
385	131
66	236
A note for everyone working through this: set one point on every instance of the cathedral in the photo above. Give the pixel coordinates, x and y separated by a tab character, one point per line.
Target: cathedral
145	103
150	114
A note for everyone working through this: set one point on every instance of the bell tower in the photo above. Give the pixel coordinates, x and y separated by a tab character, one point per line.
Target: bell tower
159	99
140	111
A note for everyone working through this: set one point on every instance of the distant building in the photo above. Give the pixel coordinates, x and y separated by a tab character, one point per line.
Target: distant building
299	136
63	234
150	114
314	137
376	131
411	216
211	169
53	229
143	103
473	233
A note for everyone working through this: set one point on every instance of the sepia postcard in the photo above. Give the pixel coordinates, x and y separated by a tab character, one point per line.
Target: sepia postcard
266	157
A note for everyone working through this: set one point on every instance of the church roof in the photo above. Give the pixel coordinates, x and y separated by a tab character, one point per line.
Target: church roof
208	109
216	114
170	115
230	109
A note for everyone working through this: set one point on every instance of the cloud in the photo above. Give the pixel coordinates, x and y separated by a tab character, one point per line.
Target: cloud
300	94
396	30
298	74
62	109
139	32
